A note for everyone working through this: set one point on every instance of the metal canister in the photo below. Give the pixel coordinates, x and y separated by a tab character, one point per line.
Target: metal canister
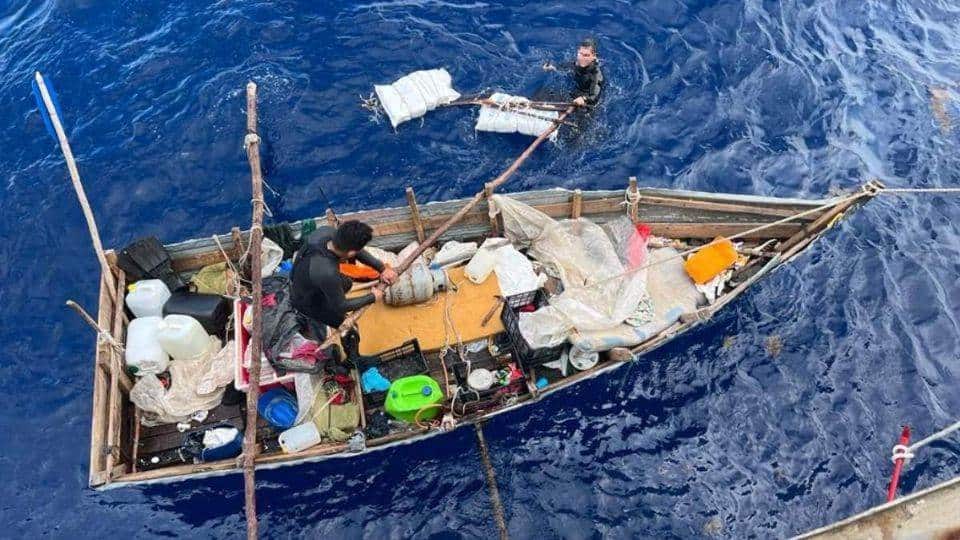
416	285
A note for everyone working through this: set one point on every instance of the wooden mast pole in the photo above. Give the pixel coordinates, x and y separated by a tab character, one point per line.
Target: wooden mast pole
252	143
351	319
77	185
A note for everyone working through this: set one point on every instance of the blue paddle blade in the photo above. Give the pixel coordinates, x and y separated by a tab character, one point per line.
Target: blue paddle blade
43	108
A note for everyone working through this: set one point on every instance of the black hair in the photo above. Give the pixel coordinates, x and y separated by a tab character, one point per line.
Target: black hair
352	235
588	43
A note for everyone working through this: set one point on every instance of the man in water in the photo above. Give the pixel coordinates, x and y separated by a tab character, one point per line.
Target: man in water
318	289
587	77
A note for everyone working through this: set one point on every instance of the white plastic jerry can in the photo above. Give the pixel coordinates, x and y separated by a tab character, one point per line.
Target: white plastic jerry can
299	437
147	297
143	352
182	337
482	263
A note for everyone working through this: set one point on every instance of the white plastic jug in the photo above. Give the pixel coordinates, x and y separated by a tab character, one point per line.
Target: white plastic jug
182	337
480	266
147	297
144	353
299	437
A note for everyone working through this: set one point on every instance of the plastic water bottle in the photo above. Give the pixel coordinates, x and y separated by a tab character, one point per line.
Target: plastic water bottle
147	297
143	352
182	337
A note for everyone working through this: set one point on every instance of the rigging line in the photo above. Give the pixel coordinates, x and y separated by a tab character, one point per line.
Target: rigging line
936	436
748	232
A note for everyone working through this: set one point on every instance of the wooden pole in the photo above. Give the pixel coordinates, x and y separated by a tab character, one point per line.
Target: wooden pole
633	196
107	336
495	502
494	222
77	185
351	319
415	214
252	142
576	204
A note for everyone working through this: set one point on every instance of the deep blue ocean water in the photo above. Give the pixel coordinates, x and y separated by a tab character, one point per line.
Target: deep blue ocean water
789	98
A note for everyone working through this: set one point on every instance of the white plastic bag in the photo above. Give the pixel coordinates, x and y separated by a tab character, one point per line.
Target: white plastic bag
596	294
411	96
522	119
515	272
270	256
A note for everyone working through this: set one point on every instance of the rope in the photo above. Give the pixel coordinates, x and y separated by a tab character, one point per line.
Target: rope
936	436
919	190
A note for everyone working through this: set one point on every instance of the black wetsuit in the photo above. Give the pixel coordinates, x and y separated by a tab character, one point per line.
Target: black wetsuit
587	82
318	289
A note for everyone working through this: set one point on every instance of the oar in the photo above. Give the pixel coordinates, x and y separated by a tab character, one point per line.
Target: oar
351	319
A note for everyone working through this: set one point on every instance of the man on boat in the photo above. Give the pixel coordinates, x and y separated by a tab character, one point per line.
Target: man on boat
587	77
318	289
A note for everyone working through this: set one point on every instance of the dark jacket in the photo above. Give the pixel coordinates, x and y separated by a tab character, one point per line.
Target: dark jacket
588	82
318	290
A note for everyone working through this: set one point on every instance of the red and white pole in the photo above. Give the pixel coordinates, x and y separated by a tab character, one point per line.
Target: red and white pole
900	454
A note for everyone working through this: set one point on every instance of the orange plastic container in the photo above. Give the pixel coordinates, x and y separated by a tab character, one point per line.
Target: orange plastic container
707	263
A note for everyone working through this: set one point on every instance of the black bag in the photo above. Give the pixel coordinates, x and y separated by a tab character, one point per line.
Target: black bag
147	259
210	310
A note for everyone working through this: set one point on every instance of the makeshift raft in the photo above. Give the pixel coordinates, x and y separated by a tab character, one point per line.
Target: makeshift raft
783	229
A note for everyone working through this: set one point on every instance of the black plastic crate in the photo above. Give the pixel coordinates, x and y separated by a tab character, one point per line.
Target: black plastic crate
396	363
523	352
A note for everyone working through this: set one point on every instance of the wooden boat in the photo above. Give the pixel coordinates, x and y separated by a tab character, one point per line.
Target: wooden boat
787	227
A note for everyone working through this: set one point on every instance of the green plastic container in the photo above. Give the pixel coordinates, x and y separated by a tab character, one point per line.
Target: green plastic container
408	395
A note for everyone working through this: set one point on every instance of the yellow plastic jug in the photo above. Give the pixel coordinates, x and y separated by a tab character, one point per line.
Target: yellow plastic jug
707	263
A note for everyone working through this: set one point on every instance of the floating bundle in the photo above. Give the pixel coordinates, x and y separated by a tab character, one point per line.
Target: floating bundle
515	115
411	96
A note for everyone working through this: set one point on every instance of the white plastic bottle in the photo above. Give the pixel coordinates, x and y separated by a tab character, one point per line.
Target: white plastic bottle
147	297
182	337
482	263
299	437
143	352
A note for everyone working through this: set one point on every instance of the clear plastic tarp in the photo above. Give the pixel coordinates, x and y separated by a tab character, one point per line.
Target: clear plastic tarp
596	296
195	386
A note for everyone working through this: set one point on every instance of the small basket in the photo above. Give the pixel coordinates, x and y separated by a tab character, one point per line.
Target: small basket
523	352
396	363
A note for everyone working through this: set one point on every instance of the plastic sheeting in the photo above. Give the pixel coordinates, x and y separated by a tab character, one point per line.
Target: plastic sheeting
507	121
596	296
411	96
195	385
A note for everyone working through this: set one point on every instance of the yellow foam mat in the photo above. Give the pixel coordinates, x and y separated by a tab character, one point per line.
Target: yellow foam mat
384	327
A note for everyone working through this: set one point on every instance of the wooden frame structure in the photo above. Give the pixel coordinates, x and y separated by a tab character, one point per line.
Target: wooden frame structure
693	217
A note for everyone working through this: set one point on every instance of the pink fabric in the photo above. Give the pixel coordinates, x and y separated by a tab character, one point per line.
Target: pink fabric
637	246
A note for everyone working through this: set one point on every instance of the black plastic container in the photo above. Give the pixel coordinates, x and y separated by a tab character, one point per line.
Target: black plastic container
522	351
210	310
146	258
396	363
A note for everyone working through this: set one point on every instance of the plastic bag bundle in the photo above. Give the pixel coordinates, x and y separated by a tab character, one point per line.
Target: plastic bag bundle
525	120
411	96
596	294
